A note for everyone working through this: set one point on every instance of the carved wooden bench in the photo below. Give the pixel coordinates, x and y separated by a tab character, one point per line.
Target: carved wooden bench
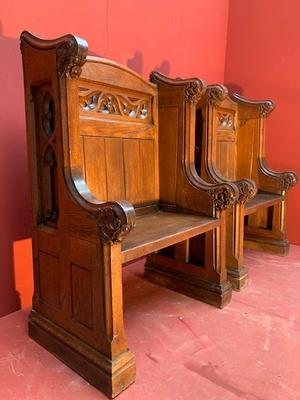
93	139
229	146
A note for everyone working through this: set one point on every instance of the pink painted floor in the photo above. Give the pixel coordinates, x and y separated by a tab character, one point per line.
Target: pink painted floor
184	349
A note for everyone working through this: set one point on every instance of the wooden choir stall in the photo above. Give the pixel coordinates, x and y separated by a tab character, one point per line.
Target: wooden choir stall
229	136
109	186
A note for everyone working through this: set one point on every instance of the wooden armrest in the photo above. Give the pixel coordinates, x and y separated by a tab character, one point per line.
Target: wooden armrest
114	219
282	180
222	194
247	190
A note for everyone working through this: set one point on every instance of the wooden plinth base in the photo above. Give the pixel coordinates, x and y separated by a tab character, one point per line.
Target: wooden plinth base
216	294
110	376
238	278
279	247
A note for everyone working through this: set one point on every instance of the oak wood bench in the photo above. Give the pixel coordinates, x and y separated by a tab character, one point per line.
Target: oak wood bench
93	139
229	146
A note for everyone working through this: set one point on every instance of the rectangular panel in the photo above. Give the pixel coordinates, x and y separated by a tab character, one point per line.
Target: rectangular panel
49	280
95	166
48	240
114	159
121	129
82	296
132	163
83	252
147	158
246	146
168	119
226	159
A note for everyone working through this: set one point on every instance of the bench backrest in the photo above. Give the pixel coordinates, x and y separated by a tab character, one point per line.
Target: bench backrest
114	136
230	133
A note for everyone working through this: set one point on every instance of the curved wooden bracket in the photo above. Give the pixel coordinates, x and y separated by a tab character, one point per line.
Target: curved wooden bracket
115	220
247	190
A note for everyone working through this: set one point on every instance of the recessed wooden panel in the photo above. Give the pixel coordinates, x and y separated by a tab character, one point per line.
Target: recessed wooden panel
246	153
226	159
130	130
147	171
82	296
168	121
83	253
49	279
95	166
115	168
132	170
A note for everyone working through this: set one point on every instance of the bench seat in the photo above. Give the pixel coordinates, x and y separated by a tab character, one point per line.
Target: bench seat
262	200
155	231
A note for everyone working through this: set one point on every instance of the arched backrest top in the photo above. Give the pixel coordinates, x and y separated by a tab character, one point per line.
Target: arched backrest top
110	73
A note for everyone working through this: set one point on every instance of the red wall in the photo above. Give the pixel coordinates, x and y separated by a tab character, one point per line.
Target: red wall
176	37
262	61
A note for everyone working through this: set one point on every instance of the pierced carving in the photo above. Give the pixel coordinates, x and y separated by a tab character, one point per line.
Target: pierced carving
48	114
247	190
116	104
266	108
114	223
225	121
223	196
288	180
215	94
71	55
193	91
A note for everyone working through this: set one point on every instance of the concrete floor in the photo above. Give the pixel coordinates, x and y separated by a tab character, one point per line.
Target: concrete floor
184	349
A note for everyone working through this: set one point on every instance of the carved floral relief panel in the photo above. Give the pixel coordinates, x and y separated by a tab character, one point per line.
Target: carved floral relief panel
225	120
113	103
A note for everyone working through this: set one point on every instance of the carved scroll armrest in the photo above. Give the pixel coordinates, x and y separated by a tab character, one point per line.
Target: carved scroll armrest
283	180
247	190
223	195
114	219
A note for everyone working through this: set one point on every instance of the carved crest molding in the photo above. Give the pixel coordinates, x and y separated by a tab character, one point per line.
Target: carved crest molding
266	108
215	94
71	56
193	91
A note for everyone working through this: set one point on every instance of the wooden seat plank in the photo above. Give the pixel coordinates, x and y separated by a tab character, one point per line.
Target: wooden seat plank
156	231
262	200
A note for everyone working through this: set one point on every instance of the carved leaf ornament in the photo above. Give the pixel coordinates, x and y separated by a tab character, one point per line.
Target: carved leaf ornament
115	104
